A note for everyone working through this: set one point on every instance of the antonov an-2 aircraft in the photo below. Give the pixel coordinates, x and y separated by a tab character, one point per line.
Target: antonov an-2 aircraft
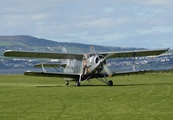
81	67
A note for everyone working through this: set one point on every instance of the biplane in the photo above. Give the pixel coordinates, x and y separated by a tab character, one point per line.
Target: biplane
81	67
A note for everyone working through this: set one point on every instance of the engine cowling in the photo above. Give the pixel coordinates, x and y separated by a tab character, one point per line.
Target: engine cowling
100	59
96	63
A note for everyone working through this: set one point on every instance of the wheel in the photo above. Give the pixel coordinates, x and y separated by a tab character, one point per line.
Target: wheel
110	83
77	83
67	83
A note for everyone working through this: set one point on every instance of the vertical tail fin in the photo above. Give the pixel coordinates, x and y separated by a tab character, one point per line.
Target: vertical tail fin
65	61
69	63
64	49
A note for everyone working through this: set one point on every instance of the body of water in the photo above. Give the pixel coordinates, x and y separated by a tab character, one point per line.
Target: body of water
22	70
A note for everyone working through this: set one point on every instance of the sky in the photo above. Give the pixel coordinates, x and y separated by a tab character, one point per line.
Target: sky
118	23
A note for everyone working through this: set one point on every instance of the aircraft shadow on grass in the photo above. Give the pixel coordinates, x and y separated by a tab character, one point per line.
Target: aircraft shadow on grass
118	85
144	84
46	86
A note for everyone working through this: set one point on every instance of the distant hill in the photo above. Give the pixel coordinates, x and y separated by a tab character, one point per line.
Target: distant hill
23	42
27	40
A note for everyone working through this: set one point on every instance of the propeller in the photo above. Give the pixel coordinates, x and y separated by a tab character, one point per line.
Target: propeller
101	61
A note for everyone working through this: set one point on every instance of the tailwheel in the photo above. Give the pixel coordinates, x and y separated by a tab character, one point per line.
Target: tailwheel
67	83
110	83
77	83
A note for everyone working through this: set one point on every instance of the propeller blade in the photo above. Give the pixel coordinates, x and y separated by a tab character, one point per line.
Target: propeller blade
108	55
107	70
93	67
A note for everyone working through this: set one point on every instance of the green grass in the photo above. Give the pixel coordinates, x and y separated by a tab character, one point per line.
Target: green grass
146	97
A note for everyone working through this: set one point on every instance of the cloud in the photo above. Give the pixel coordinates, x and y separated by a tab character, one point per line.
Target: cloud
164	3
103	23
94	21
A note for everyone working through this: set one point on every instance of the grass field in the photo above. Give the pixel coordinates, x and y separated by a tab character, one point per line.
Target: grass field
146	97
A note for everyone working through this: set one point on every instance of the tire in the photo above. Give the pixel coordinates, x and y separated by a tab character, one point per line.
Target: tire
67	83
110	83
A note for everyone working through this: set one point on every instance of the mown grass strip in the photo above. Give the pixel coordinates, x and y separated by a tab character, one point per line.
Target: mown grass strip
146	96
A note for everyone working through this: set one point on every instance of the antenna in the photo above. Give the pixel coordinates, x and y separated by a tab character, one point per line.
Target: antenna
91	48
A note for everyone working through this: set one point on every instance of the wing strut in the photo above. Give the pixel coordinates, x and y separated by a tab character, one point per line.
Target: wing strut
43	70
134	64
56	69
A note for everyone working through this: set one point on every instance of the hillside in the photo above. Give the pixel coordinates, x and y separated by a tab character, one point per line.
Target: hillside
29	43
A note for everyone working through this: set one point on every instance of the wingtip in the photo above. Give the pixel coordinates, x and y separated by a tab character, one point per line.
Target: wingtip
6	53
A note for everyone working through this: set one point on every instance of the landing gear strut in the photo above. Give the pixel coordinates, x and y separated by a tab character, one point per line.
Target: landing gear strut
77	83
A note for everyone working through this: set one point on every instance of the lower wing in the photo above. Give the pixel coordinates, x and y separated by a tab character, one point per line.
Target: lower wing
123	73
73	76
131	72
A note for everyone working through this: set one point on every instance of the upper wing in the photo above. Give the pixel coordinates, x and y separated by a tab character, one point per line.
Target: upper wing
27	54
135	53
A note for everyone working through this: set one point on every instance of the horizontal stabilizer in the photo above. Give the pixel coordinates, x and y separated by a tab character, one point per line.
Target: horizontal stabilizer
50	65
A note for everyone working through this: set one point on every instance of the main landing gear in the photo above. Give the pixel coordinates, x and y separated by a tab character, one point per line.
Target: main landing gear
109	83
77	83
105	80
